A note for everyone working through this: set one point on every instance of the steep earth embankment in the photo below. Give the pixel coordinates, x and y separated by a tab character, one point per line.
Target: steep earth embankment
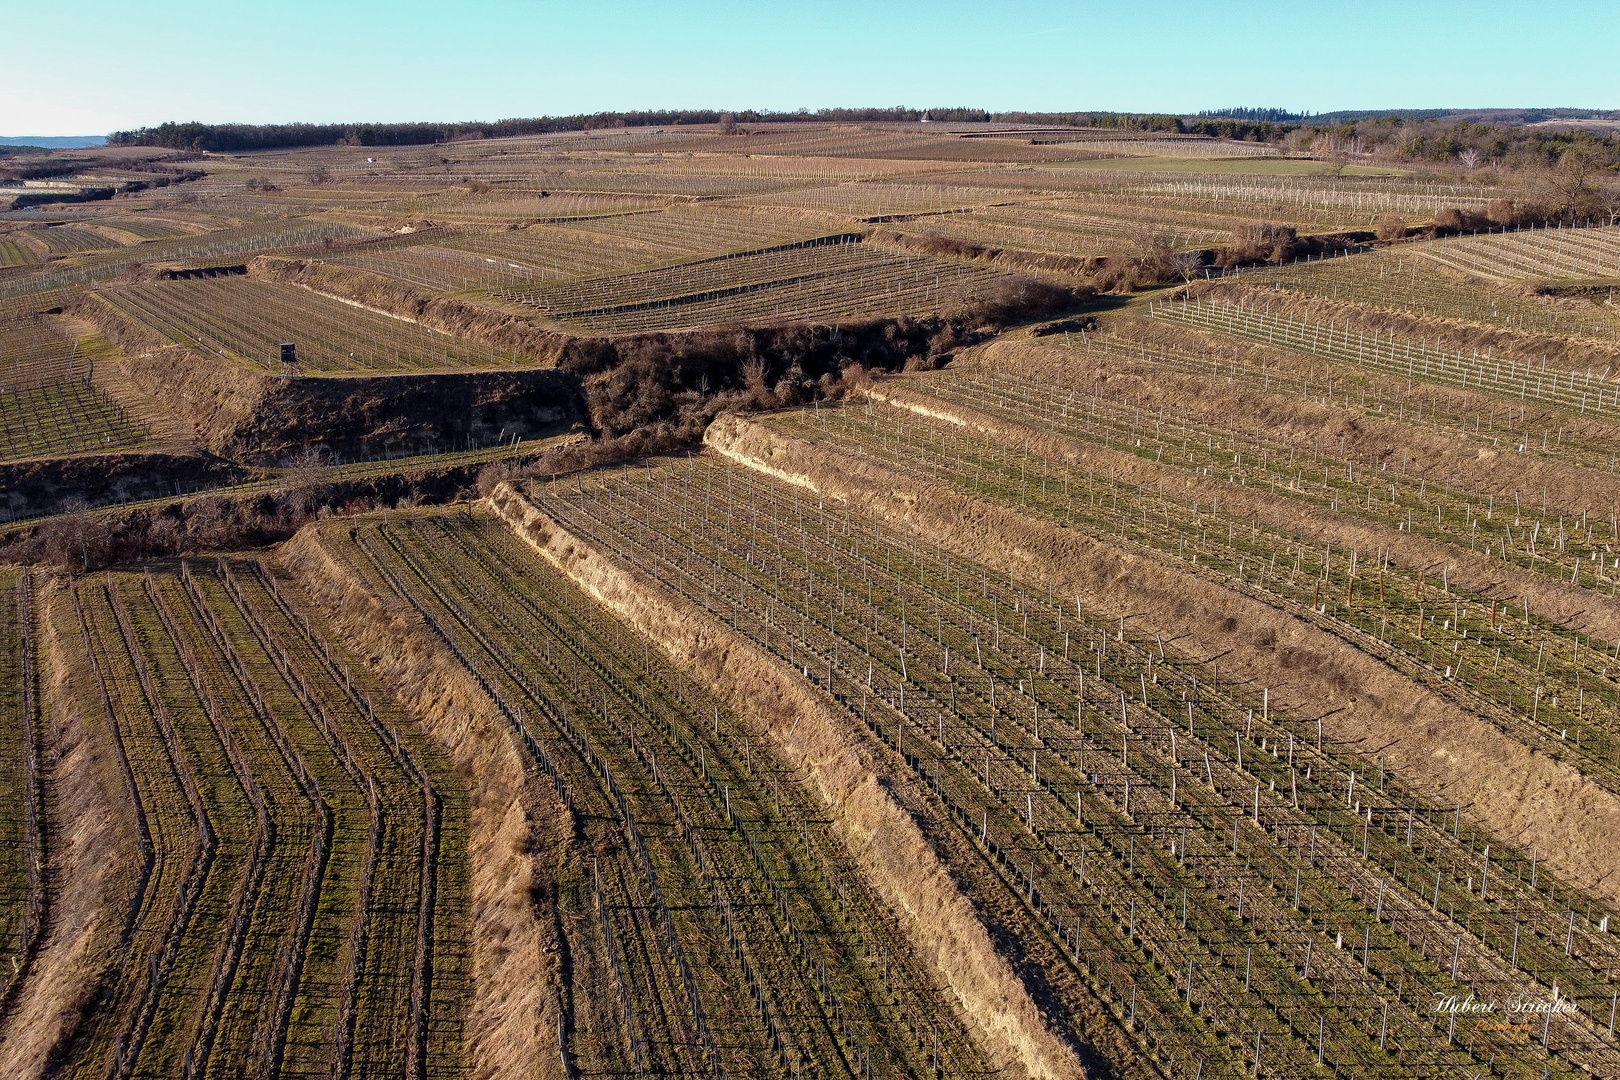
259	419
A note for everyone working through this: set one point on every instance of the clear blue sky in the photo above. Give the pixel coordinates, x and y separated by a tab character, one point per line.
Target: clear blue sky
91	67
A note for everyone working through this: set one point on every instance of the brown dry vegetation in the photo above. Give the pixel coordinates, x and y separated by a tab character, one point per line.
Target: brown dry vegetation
846	772
1431	744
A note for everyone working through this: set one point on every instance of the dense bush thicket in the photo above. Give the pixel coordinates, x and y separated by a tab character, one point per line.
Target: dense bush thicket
668	387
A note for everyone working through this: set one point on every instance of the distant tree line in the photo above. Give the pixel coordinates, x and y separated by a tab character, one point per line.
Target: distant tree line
1408	136
1275	116
195	136
225	137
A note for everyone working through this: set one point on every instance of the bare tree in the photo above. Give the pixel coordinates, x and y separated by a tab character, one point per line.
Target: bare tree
1573	184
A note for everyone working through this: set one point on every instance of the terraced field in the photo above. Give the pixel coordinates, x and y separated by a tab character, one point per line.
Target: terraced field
1509	664
297	860
68	240
1532	255
1568	390
1216	889
444	269
14	251
150	228
717	927
1404	281
65	418
553	251
48	402
822	280
22	879
929	730
246	321
35	352
208	248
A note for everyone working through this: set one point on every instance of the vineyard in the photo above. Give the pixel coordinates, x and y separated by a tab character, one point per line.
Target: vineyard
830	278
1206	919
65	418
444	269
48	402
1401	281
16	251
1509	668
1532	255
246	322
1416	360
720	929
22	897
63	240
100	266
749	600
150	228
295	862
